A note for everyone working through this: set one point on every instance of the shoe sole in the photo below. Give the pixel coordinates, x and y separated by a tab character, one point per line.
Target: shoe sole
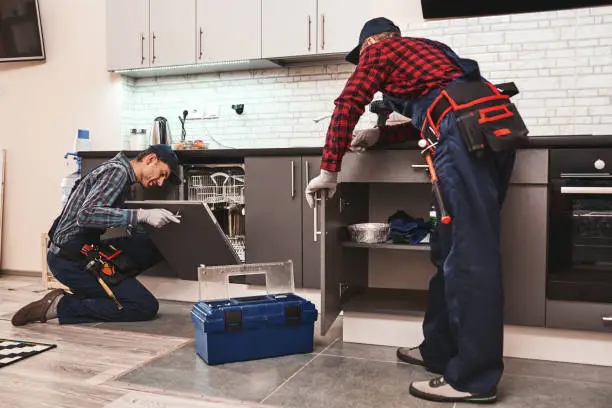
482	399
409	360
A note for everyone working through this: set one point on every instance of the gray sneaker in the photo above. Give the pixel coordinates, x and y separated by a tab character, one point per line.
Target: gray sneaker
439	390
410	355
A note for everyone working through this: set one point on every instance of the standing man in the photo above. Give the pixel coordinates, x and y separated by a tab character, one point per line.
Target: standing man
96	204
472	131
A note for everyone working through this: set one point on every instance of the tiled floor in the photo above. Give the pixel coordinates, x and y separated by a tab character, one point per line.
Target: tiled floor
334	375
341	374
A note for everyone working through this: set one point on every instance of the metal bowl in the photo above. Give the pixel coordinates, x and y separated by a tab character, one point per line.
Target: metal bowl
369	233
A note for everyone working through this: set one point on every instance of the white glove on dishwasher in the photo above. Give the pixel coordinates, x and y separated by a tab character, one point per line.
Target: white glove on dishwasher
363	139
157	217
327	180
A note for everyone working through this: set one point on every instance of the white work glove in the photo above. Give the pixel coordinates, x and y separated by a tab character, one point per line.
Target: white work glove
157	217
364	139
327	180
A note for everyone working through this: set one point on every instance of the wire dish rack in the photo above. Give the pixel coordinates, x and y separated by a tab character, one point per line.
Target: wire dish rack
217	188
221	187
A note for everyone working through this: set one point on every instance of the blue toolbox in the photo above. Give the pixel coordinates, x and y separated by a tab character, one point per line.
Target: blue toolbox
245	328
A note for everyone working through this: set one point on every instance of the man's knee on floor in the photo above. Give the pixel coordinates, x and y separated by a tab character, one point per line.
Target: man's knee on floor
146	307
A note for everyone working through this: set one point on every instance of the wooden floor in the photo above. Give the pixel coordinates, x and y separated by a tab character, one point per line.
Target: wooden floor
79	372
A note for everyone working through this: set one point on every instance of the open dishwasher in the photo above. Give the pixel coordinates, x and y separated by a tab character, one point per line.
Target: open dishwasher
221	187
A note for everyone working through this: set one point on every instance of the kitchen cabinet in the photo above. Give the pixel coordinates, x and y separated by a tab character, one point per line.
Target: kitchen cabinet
150	33
309	27
311	240
339	24
523	251
273	220
228	31
288	28
171	30
127	34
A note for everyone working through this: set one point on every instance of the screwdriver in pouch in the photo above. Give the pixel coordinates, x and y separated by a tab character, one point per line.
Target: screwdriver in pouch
445	218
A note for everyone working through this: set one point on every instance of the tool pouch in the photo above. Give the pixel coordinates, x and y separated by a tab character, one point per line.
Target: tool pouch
486	118
111	264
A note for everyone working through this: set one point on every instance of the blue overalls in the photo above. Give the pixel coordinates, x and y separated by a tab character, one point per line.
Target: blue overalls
463	326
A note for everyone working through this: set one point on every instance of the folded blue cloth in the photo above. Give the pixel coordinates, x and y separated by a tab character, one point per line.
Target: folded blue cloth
407	230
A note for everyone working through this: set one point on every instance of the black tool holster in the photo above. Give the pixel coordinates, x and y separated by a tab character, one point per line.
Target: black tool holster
485	116
109	263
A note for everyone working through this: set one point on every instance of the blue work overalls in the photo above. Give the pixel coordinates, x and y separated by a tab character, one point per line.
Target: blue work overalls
463	326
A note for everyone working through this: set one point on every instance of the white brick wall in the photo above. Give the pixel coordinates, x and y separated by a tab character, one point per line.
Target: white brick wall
560	60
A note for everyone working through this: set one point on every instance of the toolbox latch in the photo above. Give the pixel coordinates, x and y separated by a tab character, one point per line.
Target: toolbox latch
293	315
233	320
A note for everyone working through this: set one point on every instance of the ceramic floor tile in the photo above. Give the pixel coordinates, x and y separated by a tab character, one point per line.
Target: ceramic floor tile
363	351
185	372
551	369
334	382
174	319
521	391
334	333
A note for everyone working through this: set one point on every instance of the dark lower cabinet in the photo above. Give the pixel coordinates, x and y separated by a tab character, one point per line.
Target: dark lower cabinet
273	220
523	251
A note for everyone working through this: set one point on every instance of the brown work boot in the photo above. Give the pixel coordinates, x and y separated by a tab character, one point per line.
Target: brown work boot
36	311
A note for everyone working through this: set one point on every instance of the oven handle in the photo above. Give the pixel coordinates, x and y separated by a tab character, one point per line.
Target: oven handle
585	190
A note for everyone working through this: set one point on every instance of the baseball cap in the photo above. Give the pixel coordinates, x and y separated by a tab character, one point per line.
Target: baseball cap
372	27
167	155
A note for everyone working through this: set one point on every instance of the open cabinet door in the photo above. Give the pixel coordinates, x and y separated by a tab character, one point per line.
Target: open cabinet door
344	271
329	231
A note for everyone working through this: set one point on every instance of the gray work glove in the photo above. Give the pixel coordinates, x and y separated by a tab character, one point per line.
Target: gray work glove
327	180
364	139
157	217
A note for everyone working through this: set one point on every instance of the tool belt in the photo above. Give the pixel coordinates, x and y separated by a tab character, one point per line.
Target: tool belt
102	260
485	116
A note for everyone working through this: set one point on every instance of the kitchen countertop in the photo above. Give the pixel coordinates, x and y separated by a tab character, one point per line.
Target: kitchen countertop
187	156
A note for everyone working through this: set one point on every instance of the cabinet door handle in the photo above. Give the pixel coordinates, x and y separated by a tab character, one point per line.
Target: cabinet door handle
309	29
201	33
154	56
418	166
142	57
322	31
292	179
607	320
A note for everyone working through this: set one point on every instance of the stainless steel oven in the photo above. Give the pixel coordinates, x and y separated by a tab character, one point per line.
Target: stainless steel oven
580	225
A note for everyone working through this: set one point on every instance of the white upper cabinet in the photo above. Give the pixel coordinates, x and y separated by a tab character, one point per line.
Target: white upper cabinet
171	28
339	24
228	30
289	27
127	35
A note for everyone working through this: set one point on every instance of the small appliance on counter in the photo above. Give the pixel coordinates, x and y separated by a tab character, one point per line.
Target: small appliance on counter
160	133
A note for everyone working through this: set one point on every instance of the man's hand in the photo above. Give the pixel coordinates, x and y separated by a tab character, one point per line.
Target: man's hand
327	180
364	139
157	217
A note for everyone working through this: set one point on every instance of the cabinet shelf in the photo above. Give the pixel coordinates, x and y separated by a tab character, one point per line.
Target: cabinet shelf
388	301
387	245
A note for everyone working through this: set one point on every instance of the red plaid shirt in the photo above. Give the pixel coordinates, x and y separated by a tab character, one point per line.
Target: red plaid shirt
400	67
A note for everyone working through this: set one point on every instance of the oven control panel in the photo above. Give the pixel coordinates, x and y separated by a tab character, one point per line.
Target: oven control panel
578	163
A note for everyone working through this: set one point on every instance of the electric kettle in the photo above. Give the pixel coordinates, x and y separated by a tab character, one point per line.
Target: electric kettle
160	134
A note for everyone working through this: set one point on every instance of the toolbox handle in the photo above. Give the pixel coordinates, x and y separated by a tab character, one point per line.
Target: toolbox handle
254	273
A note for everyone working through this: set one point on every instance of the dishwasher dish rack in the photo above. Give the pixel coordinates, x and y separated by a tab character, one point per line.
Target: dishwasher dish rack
221	187
216	188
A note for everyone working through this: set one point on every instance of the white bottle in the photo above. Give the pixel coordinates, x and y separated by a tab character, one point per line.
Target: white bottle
82	142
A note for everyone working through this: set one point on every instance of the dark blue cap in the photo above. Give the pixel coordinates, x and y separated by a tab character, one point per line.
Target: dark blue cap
372	27
167	155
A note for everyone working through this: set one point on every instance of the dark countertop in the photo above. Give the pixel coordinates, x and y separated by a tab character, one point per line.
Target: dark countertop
193	156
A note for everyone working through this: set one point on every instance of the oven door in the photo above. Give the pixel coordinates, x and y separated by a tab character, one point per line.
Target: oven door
580	240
